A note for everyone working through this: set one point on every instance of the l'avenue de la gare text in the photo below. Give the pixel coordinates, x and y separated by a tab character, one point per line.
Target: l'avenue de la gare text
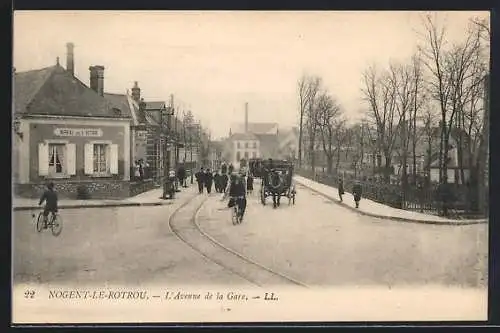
143	295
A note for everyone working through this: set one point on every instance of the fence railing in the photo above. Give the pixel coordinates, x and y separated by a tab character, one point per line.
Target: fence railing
428	199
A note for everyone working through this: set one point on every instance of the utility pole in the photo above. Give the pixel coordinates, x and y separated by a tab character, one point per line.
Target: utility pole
166	147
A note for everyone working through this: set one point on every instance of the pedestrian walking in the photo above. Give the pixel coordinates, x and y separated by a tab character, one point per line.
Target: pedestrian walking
249	183
200	175
181	175
341	188
218	182
357	191
209	178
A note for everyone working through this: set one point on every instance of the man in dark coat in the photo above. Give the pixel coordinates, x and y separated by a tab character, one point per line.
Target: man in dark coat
249	183
181	175
200	175
341	188
209	180
357	191
223	168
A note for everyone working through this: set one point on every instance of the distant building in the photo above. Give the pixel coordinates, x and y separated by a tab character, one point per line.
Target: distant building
253	140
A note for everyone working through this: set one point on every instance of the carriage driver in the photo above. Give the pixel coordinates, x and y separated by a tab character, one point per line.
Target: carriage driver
237	192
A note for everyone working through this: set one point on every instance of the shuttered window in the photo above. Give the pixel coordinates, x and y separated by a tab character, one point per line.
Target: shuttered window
101	159
56	160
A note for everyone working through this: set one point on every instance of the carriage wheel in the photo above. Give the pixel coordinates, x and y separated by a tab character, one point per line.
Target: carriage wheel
262	196
293	198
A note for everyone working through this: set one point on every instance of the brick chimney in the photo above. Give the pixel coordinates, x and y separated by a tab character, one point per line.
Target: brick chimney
97	79
246	117
70	58
136	92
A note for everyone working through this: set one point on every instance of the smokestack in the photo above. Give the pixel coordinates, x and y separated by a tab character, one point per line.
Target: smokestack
70	58
246	117
97	79
136	92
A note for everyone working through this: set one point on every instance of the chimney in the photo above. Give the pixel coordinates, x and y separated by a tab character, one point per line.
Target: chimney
70	58
97	79
136	92
246	117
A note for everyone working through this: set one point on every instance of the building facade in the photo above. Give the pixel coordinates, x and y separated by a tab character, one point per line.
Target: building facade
69	134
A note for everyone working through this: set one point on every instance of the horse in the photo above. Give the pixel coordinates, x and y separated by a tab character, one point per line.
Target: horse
276	185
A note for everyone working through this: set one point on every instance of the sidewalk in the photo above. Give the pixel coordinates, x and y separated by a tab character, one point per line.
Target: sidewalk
374	209
149	198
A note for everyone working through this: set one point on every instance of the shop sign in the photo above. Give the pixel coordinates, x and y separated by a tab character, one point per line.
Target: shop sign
83	132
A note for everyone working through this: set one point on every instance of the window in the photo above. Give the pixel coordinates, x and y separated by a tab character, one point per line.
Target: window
238	145
238	156
56	159
254	154
57	164
246	155
246	145
254	144
101	159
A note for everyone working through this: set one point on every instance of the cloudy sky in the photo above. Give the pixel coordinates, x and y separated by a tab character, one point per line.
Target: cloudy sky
214	62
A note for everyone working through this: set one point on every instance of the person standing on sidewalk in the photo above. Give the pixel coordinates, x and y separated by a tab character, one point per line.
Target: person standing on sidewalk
200	175
341	188
357	191
209	178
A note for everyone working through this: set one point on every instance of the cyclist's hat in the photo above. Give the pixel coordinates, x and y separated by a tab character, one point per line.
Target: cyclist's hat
50	185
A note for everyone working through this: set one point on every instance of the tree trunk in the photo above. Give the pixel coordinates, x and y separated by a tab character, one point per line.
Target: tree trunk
329	163
482	164
300	137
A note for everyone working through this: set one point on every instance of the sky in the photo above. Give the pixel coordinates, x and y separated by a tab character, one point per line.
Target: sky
214	62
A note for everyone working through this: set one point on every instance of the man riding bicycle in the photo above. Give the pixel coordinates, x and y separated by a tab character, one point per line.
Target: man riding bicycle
50	198
237	193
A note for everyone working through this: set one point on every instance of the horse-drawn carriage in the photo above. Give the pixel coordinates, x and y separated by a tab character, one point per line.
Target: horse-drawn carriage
277	181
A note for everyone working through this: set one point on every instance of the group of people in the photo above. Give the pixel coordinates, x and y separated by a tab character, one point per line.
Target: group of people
236	185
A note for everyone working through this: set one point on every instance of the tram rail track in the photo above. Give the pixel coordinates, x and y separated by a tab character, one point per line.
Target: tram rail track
184	225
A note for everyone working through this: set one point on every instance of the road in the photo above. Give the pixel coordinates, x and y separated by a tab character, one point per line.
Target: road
315	241
320	243
119	246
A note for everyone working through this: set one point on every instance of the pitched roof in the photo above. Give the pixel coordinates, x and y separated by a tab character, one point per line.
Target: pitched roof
257	128
120	101
26	86
243	136
54	91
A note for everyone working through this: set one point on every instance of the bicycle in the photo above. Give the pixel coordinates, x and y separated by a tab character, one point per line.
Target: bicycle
237	216
54	222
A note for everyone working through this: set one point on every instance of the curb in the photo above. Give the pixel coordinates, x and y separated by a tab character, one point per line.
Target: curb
393	218
110	205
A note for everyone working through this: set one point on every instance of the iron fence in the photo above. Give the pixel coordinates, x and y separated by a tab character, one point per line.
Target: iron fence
424	198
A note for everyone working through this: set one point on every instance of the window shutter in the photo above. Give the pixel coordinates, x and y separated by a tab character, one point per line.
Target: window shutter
43	159
71	159
89	158
113	159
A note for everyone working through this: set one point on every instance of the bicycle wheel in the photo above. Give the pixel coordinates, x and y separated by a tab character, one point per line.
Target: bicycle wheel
56	225
235	216
39	222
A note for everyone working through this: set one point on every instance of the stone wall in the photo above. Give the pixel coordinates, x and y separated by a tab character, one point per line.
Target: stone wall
103	189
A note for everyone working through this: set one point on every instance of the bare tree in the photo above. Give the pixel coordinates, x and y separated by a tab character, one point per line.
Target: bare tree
380	94
311	114
303	92
328	118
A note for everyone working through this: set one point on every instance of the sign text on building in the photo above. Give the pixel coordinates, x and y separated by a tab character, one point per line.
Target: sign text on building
86	132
